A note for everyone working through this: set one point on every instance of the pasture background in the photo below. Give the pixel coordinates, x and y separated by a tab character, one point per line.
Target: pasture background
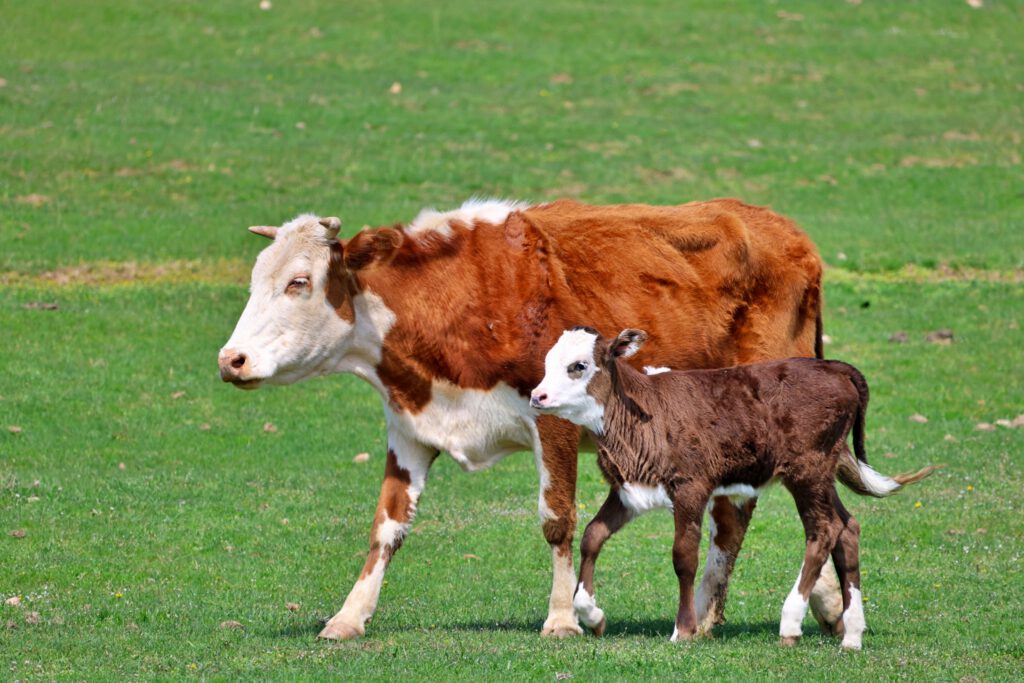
140	138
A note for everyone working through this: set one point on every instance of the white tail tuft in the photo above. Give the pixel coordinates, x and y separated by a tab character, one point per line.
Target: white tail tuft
877	483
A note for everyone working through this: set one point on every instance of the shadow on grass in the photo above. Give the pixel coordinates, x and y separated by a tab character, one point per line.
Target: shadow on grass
647	628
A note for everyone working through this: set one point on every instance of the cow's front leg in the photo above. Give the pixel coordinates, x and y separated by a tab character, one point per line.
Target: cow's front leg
405	475
556	455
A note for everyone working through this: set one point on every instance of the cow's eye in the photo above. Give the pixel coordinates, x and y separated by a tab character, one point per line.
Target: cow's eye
297	284
576	369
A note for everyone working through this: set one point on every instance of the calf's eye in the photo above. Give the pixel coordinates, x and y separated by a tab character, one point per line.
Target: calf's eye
576	369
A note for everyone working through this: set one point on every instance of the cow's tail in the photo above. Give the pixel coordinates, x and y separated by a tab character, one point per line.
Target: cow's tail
819	345
857	475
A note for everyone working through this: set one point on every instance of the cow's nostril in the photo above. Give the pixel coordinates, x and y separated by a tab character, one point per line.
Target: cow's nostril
238	361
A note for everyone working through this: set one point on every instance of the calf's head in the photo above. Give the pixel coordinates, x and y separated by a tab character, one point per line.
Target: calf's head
577	374
300	320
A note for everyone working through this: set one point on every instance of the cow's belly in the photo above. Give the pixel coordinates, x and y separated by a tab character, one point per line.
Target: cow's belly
477	428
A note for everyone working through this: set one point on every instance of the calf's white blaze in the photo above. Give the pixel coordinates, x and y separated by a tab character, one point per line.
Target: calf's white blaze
567	396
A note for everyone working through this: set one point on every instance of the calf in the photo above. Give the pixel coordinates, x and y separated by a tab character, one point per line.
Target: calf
675	439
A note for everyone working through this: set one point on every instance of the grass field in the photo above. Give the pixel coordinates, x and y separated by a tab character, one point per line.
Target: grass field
143	503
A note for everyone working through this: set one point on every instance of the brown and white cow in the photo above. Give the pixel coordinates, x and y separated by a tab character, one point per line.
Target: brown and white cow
450	317
675	439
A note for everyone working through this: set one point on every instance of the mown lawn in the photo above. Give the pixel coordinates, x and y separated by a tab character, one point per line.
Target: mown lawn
151	503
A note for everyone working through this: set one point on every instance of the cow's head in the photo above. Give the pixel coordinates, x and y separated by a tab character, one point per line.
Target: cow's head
300	320
577	380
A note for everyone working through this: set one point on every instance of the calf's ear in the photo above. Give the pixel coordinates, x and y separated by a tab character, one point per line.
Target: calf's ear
627	343
371	247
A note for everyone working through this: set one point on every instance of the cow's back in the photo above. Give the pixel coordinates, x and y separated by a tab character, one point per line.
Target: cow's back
715	283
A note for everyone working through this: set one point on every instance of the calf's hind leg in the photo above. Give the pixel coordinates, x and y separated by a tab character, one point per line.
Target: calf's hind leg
846	555
728	521
612	516
821	529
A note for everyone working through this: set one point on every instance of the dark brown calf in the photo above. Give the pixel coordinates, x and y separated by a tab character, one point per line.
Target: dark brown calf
675	439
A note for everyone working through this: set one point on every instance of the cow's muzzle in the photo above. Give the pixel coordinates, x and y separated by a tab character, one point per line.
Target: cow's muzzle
235	367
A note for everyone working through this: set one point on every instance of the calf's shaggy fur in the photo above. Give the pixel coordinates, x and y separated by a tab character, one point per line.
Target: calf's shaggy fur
675	439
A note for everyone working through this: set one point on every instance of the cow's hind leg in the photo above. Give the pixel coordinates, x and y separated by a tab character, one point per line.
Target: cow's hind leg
728	523
612	516
405	475
846	556
556	455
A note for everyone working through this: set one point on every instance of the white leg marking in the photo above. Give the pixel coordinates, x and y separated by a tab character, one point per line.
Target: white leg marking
853	621
715	565
675	634
561	619
793	611
586	608
361	602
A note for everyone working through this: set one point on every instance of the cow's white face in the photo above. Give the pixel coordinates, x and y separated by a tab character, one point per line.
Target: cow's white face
569	367
291	328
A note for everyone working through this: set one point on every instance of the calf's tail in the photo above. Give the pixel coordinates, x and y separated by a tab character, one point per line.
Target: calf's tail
857	475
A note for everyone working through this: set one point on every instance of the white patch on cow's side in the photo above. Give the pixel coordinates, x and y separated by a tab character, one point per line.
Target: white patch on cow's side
586	608
563	391
639	498
794	609
485	210
716	566
876	482
651	370
853	621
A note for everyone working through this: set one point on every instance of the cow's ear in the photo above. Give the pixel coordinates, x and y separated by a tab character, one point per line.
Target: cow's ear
627	343
371	247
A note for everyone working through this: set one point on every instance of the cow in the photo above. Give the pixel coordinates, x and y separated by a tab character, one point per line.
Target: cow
675	439
449	318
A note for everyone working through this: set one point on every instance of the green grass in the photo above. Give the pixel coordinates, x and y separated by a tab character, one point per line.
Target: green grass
156	132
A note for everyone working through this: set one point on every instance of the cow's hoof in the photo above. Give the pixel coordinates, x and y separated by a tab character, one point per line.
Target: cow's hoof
338	630
599	629
788	641
561	630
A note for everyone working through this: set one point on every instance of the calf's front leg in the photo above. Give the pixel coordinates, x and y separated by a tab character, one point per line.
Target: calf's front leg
612	516
684	560
405	475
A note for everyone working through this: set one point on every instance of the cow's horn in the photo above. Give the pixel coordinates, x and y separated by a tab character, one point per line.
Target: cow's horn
333	225
265	230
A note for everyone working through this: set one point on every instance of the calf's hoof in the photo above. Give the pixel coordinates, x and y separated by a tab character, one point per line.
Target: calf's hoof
339	630
599	629
788	641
